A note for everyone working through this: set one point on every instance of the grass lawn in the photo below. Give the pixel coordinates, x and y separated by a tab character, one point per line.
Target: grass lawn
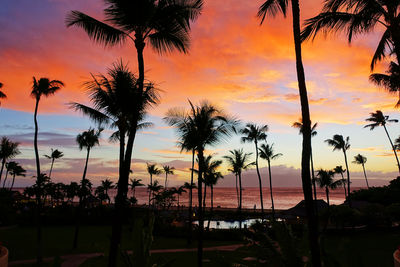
57	241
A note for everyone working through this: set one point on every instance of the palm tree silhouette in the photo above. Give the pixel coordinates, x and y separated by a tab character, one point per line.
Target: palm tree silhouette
339	169
119	103
210	167
55	154
271	8
238	161
360	159
254	133
107	185
135	183
207	127
378	119
152	170
8	150
180	190
299	125
339	143
154	187
325	180
359	17
267	153
167	170
16	170
2	94
389	81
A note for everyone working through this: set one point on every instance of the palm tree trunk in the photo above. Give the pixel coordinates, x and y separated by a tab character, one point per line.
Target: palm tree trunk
259	181
151	183
365	175
3	162
237	190
39	257
313	175
327	194
79	209
212	207
5	178
270	189
204	198
306	150
348	174
166	177
344	186
200	210
391	143
12	184
240	191
189	241
51	168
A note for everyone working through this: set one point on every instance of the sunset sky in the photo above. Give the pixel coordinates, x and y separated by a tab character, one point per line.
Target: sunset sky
244	68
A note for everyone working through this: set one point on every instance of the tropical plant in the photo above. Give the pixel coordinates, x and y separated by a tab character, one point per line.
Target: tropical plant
299	125
71	191
267	152
389	81
167	170
361	160
107	185
55	154
255	133
8	150
356	17
210	174
378	119
339	143
325	180
152	170
339	169
154	187
16	170
119	103
135	183
2	94
179	191
207	127
239	161
9	166
87	139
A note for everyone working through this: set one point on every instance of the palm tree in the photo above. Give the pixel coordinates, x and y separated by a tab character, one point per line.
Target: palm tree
325	180
152	170
9	166
72	190
16	170
299	125
389	81
339	143
356	17
168	170
204	125
2	94
8	150
87	139
135	183
154	187
55	154
118	103
107	185
238	161
360	159
180	190
378	119
210	167
189	187
254	133
267	153
339	169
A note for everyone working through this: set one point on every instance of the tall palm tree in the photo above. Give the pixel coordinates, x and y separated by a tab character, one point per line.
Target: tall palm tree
8	150
361	160
254	133
239	161
210	170
267	152
339	169
119	103
339	143
356	17
299	125
55	154
135	183
152	170
107	185
167	170
87	139
2	94
272	8
154	187
16	170
389	81
208	126
325	180
9	166
378	119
